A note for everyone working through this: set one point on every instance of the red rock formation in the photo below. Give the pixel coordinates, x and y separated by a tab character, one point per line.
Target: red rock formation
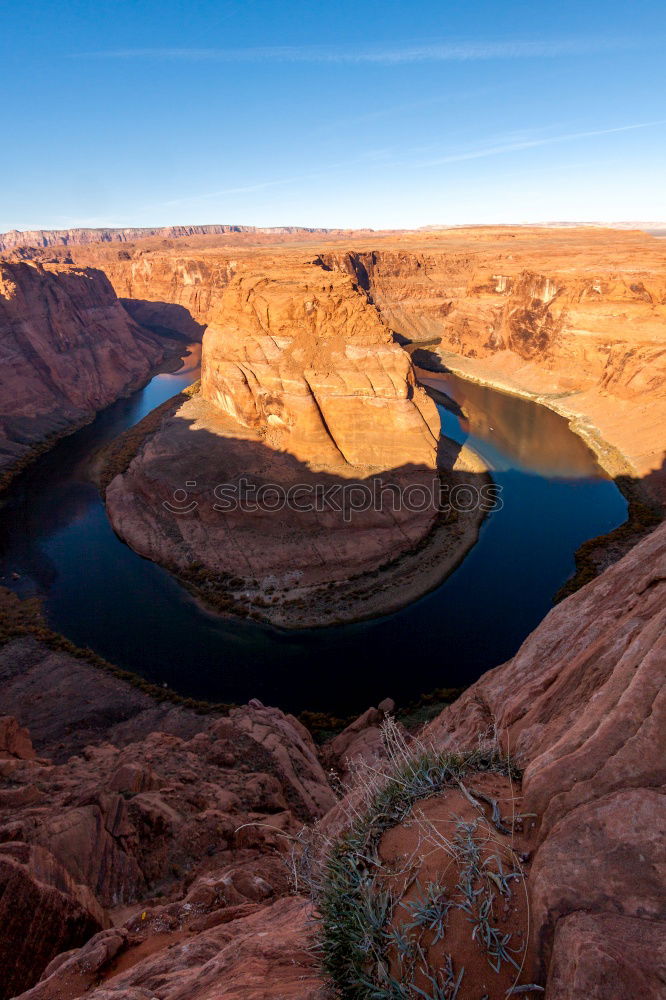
42	913
15	741
298	355
581	707
261	953
362	738
303	388
300	563
67	704
199	812
567	317
68	349
199	819
572	317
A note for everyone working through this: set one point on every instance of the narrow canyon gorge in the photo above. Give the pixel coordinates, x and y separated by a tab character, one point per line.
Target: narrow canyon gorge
153	846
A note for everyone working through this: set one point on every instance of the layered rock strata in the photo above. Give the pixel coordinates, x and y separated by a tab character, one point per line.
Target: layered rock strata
571	317
304	360
579	328
581	709
83	237
189	826
67	349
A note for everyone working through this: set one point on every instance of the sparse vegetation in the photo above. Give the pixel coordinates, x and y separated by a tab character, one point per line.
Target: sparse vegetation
117	456
375	942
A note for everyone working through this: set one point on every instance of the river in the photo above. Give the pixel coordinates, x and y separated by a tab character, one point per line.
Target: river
55	535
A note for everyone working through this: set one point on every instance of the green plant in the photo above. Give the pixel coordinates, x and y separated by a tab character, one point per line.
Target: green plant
363	951
430	910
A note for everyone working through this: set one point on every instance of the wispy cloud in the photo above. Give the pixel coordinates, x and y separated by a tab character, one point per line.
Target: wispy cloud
434	52
517	145
455	97
372	156
383	158
223	192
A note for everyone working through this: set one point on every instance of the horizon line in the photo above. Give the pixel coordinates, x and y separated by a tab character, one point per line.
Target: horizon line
537	224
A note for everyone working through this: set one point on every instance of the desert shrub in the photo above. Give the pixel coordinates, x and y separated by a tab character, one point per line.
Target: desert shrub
372	944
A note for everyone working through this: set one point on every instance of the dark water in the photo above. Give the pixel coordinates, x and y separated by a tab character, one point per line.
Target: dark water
54	533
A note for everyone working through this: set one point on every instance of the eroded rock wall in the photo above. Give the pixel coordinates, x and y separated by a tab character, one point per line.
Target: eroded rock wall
579	327
83	237
204	814
573	317
67	349
194	829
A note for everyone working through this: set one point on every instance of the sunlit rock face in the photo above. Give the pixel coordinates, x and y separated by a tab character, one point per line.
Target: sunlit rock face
84	237
576	318
581	710
300	357
573	317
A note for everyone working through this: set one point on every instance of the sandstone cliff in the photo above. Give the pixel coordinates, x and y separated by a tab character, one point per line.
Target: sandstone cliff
568	318
582	709
298	355
68	349
571	317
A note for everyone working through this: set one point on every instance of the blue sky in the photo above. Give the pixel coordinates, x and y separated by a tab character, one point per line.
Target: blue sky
350	114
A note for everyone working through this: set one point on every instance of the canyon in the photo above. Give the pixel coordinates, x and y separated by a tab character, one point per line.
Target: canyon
571	317
151	848
574	320
302	391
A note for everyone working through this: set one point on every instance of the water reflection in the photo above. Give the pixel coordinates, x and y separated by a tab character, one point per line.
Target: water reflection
515	433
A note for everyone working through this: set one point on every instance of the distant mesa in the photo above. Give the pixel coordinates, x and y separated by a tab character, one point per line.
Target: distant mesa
81	237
